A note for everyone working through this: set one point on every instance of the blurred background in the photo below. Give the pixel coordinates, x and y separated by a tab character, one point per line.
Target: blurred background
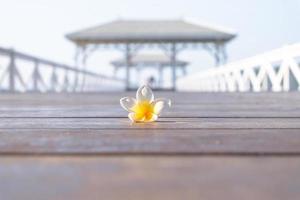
37	56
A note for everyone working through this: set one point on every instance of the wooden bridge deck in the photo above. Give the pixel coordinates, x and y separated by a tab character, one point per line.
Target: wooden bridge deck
208	146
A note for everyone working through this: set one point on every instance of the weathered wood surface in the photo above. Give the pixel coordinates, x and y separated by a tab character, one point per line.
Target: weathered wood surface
149	178
183	111
208	146
184	105
163	123
144	141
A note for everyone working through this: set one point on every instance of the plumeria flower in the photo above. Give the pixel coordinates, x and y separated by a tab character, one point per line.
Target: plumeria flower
144	108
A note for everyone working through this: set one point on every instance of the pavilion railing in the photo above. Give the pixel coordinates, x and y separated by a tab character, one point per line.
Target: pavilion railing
20	72
277	70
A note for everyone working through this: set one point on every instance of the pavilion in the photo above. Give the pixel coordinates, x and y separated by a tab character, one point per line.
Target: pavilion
159	62
171	36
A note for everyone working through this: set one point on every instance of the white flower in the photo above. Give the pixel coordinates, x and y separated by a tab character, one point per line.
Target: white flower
144	108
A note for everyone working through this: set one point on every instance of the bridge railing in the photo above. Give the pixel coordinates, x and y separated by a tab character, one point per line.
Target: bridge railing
276	71
21	72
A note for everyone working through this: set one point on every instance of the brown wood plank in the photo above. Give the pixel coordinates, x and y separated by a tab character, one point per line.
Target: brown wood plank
184	105
135	178
84	141
292	98
190	110
82	146
163	123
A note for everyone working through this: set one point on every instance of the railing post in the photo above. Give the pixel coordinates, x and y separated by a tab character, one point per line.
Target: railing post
128	65
11	72
265	84
35	76
53	80
66	81
173	65
286	80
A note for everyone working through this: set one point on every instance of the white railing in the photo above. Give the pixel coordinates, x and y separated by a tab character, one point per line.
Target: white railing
276	71
20	72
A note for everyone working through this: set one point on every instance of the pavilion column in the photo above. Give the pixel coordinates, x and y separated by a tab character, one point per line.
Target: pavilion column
83	64
173	65
220	54
80	60
161	74
128	65
224	54
116	69
138	74
217	55
76	62
184	71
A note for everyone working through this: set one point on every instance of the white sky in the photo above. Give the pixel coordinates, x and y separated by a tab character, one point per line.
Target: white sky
38	26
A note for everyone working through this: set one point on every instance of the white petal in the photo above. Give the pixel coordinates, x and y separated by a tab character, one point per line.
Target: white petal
144	93
127	103
133	118
154	118
159	104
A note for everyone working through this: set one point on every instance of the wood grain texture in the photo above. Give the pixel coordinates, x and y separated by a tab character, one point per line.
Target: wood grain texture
147	178
141	142
177	111
178	98
184	105
162	123
208	146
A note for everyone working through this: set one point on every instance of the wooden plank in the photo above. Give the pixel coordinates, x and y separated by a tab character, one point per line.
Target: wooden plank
190	110
135	178
184	105
177	142
292	98
163	123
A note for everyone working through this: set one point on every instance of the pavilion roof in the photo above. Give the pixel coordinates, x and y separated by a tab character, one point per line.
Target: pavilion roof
150	31
149	60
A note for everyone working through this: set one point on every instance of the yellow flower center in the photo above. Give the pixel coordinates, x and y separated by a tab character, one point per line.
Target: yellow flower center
143	110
